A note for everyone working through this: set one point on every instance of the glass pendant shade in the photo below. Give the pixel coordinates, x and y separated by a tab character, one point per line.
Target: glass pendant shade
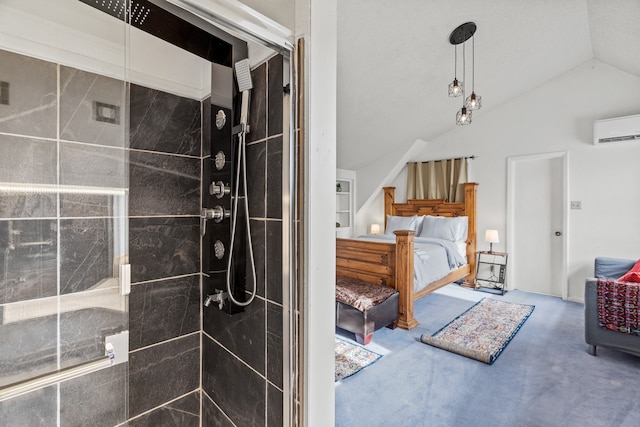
455	88
473	102
463	117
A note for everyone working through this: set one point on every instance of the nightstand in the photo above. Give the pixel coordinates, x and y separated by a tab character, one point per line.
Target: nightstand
491	273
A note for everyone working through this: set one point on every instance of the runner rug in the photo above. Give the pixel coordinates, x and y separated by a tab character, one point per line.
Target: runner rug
351	358
483	331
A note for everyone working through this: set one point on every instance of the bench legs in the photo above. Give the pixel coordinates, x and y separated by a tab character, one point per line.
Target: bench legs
364	339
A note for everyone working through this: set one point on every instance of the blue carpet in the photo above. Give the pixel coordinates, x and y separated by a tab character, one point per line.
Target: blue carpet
546	378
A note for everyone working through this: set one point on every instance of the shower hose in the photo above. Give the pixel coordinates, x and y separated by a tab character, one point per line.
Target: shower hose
242	159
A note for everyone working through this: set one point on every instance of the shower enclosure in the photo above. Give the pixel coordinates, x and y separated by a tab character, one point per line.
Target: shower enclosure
107	109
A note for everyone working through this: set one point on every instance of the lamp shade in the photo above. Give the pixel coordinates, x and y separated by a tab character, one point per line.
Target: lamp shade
491	236
375	229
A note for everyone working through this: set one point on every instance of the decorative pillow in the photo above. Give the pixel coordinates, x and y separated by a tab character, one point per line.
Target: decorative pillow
632	275
445	228
403	223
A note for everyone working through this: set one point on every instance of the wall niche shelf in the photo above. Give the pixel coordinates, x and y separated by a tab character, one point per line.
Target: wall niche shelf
345	201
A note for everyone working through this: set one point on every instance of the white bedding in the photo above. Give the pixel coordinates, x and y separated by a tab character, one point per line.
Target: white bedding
434	258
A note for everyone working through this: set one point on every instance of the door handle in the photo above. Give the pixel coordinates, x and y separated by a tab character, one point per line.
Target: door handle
558	233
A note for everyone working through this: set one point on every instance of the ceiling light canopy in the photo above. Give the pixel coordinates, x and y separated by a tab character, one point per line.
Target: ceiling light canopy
472	102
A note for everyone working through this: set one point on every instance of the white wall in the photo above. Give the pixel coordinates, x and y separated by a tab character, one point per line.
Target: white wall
558	116
315	22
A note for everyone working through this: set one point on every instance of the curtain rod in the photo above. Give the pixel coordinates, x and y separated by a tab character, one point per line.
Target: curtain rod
472	157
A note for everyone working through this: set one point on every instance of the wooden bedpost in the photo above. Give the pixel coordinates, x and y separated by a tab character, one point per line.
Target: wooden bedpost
470	191
404	277
389	198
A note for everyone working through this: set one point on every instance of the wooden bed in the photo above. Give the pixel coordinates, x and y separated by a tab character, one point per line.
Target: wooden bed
391	264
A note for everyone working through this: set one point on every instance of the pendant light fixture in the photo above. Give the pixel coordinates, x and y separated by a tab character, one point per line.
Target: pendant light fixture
463	117
459	36
473	101
455	87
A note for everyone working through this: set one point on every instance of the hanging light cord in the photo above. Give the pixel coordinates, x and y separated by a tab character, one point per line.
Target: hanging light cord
455	62
464	70
473	64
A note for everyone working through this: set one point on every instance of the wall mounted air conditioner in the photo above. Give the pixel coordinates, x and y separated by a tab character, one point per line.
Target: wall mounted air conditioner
616	130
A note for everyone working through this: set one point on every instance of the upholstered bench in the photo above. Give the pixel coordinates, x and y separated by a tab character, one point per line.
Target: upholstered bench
363	308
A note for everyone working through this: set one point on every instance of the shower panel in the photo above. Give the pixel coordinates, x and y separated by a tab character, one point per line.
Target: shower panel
225	210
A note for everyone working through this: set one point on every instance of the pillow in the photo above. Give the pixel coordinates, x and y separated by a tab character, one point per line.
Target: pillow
445	228
403	223
632	275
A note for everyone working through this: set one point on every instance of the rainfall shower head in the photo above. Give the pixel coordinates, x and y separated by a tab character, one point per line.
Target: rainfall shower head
243	75
137	12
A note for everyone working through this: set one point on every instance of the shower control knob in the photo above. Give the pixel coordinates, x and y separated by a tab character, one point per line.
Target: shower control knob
217	214
221	119
218	249
219	160
218	189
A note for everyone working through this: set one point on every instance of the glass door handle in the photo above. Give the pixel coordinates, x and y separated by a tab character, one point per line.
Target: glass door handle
125	279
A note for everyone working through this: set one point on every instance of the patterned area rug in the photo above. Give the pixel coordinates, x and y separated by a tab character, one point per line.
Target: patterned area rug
351	358
483	331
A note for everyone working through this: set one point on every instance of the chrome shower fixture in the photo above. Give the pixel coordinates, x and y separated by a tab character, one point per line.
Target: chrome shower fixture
243	78
219	296
219	190
243	75
217	214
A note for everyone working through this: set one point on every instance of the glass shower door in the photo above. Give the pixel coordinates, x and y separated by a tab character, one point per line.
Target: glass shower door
63	214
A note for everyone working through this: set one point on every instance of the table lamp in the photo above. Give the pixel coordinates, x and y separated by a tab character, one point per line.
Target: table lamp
375	229
491	237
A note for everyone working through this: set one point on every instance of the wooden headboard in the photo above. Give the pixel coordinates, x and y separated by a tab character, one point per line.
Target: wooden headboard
439	207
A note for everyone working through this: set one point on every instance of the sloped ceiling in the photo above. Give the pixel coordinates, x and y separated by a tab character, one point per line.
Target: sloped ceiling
395	61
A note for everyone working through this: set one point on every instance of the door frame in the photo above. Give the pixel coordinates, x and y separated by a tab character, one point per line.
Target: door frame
512	164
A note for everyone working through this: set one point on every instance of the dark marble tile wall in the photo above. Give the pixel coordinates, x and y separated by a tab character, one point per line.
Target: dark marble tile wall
26	160
32	107
164	252
242	354
35	409
184	412
163	372
171	184
92	165
83	332
49	248
212	416
239	391
86	253
164	310
163	375
93	110
163	247
29	270
164	122
96	399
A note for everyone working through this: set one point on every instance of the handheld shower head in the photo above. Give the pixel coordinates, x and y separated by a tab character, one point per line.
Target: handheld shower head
243	77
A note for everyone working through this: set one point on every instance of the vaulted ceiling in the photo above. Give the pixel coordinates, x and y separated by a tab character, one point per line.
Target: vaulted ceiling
395	61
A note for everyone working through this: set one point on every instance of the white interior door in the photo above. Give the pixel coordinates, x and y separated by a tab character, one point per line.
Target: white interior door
537	241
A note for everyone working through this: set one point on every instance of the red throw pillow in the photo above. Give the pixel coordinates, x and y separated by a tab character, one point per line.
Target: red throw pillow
632	275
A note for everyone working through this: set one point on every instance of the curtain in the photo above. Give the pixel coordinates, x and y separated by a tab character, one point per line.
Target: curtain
438	179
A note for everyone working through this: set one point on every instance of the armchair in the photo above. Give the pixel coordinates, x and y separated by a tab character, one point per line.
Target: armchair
594	335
